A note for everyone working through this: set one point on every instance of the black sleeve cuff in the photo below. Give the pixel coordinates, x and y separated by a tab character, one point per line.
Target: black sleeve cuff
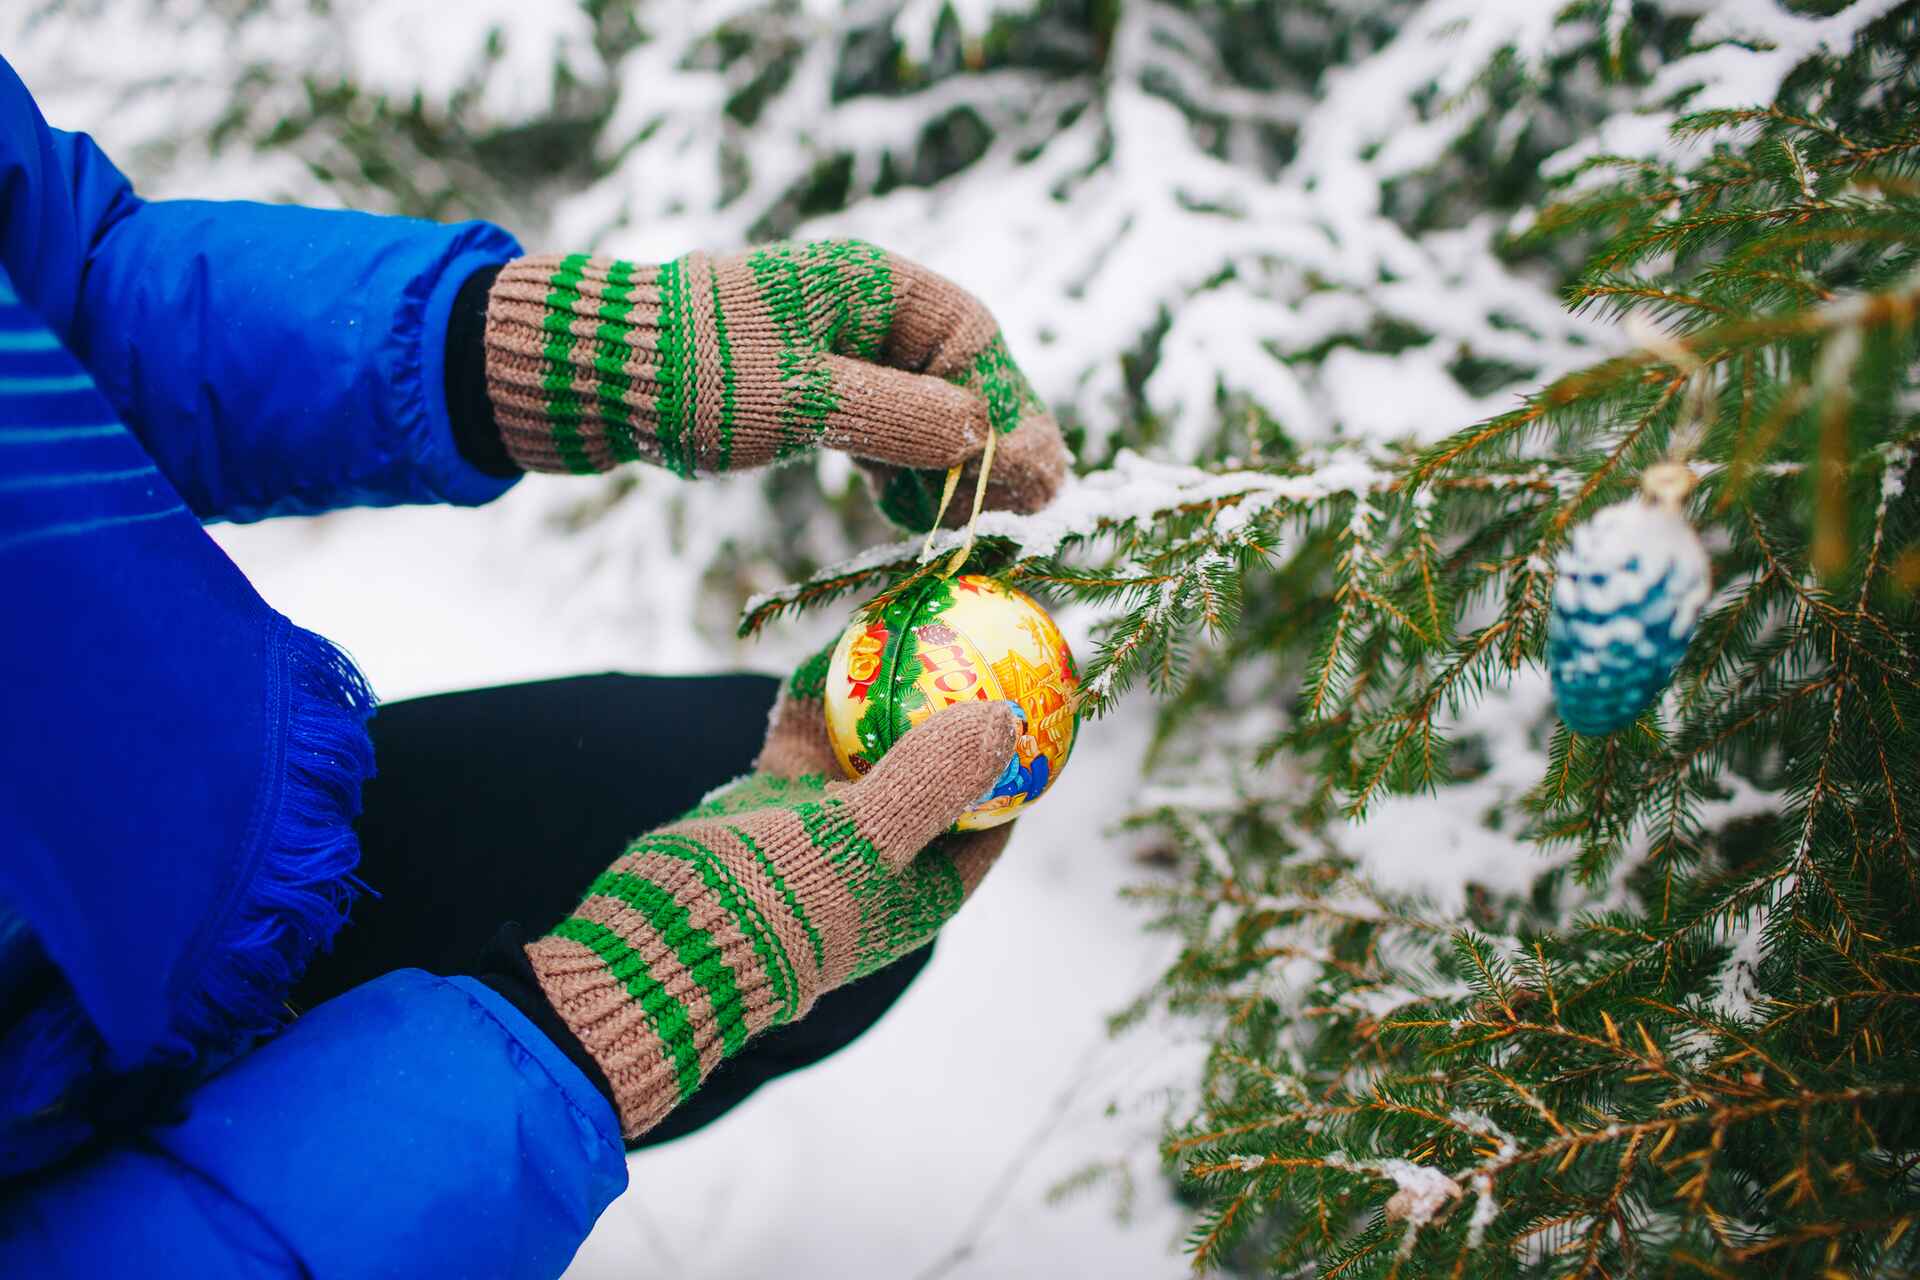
468	404
504	966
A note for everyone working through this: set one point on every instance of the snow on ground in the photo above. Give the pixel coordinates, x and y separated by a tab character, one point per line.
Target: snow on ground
928	1148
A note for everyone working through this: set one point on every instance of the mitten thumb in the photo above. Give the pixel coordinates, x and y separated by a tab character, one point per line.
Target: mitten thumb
930	777
907	419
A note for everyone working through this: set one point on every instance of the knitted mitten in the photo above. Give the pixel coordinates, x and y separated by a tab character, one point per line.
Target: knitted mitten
712	364
777	888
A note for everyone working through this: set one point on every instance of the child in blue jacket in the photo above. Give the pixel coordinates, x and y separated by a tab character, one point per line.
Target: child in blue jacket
197	1076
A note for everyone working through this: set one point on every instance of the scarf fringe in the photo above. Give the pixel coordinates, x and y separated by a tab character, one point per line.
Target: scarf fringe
58	1089
304	884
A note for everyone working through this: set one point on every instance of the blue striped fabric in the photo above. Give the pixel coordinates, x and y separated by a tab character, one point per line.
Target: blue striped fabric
68	468
147	819
152	701
180	766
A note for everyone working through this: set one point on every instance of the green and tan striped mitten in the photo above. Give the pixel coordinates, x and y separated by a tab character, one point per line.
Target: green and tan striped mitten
779	887
708	364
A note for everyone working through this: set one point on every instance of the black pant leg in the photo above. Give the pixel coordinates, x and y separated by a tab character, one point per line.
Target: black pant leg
503	804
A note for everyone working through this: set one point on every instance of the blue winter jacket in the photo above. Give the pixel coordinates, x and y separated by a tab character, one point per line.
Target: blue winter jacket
180	765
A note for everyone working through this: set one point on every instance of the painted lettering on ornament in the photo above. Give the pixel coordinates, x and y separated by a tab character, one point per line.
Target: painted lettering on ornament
951	675
933	659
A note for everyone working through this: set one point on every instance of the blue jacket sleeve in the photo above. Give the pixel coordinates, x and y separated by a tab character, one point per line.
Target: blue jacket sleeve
414	1126
273	359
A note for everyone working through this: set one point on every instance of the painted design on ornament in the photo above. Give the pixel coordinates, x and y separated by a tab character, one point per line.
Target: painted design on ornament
863	661
970	639
1028	773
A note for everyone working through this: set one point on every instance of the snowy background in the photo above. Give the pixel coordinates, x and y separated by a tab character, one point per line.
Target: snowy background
1213	231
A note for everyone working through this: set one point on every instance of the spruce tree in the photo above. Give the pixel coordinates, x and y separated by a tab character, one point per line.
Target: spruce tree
1689	1044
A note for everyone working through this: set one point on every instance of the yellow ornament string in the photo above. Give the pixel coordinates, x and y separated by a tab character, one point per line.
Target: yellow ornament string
1668	482
946	496
979	500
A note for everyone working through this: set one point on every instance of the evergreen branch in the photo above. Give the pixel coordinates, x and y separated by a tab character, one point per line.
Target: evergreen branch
1608	1214
1419	718
1706	121
762	610
1587	291
1718	1117
1346	600
1895	307
1743	720
1293	1117
1527	1096
1834	620
1722	907
1667	1073
1726	1030
1899	1223
1669	389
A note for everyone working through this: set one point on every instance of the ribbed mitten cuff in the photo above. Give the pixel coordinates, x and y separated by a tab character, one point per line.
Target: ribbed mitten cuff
685	948
590	360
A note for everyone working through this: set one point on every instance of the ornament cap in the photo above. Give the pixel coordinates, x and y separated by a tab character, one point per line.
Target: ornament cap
1667	484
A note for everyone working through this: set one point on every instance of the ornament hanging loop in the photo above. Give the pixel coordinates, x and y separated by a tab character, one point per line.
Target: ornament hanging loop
959	557
1668	483
1696	407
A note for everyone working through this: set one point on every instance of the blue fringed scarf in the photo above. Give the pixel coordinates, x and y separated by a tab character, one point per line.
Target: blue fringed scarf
179	770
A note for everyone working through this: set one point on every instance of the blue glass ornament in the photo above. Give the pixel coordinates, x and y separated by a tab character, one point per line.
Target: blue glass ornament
1632	582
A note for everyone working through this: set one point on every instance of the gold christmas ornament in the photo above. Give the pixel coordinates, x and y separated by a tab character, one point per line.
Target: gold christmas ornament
950	640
